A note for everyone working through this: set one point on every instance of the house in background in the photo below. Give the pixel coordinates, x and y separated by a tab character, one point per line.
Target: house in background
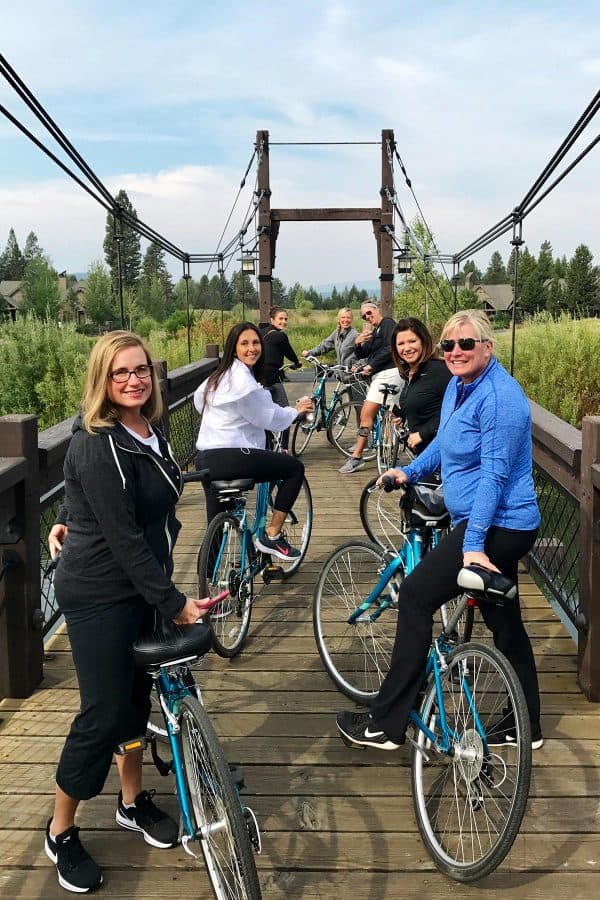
72	299
494	298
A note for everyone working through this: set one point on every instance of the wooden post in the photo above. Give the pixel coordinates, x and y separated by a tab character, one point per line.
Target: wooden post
160	366
385	243
21	643
266	237
589	563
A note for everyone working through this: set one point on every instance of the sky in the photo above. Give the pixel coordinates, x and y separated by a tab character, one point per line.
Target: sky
164	101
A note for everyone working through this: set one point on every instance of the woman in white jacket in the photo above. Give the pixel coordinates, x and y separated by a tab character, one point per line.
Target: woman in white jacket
236	412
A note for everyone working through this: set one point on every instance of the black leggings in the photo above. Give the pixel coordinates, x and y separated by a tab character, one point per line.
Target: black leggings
432	583
114	694
261	465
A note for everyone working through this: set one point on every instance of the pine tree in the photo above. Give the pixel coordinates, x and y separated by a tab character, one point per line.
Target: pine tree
495	272
130	248
582	284
511	265
32	249
545	261
530	296
154	266
12	264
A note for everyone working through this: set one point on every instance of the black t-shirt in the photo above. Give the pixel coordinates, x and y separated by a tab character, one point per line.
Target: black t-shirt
277	348
421	399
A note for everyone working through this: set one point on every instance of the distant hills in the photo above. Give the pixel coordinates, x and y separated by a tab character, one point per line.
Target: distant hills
326	290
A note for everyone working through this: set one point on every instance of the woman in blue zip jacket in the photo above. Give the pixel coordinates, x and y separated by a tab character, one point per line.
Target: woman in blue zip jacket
115	533
484	447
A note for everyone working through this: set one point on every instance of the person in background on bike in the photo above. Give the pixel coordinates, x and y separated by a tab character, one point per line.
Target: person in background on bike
236	411
484	447
277	347
341	340
373	349
426	378
115	535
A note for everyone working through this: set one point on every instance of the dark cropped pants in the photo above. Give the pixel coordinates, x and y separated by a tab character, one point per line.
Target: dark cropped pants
261	465
432	583
115	696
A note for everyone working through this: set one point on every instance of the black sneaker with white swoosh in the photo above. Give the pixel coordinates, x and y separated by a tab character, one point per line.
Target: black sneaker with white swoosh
360	729
276	546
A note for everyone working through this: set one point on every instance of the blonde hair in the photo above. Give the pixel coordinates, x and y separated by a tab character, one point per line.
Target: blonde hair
476	318
345	310
97	408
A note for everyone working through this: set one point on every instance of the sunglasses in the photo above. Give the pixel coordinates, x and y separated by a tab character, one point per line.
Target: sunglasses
366	316
464	344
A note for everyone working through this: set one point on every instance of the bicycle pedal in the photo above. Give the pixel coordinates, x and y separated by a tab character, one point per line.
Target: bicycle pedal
125	747
237	776
272	573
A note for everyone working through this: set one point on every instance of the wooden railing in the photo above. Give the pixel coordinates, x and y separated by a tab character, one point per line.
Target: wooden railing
31	488
566	558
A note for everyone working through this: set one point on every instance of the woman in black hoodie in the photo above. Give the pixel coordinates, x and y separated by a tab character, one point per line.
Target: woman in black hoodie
116	533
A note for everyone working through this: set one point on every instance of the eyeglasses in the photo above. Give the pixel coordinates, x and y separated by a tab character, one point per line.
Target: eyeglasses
464	343
121	376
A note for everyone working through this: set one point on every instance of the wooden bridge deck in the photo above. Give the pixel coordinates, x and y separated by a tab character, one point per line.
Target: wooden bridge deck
335	822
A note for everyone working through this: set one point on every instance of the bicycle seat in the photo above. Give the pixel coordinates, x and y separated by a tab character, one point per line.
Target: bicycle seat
486	585
236	486
170	643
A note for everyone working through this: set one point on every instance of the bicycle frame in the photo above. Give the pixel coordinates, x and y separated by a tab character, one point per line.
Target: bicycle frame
170	690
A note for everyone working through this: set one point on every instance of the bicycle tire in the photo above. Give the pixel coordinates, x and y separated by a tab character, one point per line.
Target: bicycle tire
216	807
343	425
469	809
380	517
297	526
219	568
388	445
357	656
301	436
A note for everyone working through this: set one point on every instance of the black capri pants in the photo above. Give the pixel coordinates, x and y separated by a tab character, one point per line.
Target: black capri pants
115	695
431	584
226	464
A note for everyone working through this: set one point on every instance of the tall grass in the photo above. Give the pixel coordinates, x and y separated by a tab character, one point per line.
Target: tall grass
43	365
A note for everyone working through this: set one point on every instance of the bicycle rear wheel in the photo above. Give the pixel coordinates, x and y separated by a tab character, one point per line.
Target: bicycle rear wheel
223	566
469	805
343	425
216	808
297	526
356	656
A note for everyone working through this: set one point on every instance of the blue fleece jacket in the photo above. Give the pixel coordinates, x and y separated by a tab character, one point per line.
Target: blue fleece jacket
484	448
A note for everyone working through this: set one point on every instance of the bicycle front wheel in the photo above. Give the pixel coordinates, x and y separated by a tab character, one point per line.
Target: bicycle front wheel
225	565
216	809
356	656
388	446
380	517
343	426
303	431
469	804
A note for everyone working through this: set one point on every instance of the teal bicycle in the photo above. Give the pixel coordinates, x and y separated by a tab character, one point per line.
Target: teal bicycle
229	562
385	438
469	789
214	822
329	416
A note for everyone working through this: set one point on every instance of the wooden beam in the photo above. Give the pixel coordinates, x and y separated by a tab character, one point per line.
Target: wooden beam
327	214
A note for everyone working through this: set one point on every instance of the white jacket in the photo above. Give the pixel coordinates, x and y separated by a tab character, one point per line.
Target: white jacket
239	412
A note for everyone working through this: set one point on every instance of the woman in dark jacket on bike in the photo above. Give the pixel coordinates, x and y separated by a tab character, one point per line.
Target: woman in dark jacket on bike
426	379
115	534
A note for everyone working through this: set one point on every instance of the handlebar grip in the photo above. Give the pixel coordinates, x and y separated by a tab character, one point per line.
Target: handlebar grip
389	484
200	475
